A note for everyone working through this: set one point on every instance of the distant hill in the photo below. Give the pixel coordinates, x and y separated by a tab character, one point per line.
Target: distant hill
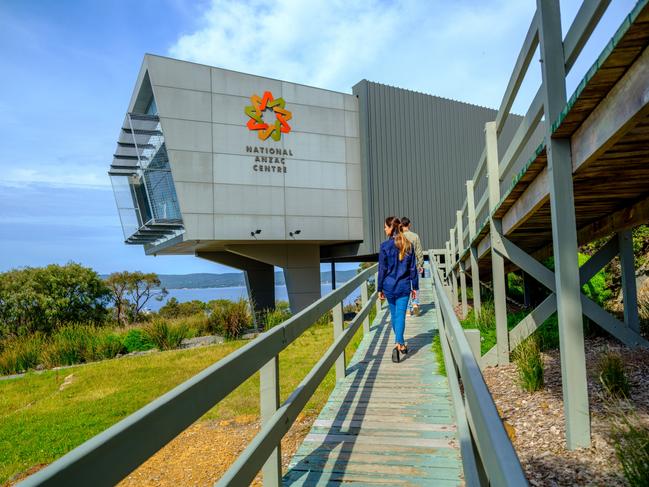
232	279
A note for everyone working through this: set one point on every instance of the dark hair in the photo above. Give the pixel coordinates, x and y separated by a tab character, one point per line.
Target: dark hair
405	221
402	243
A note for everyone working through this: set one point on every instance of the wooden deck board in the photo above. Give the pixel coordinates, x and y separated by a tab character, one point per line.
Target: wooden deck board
385	423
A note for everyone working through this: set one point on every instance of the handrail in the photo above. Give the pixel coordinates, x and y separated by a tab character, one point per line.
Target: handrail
111	455
582	27
520	70
495	451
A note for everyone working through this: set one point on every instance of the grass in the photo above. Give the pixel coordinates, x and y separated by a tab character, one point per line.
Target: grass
530	364
41	419
612	375
486	323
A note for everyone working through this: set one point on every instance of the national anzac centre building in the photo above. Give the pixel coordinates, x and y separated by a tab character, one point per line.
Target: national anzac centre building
253	172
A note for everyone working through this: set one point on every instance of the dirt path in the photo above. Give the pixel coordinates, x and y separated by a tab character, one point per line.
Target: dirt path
202	453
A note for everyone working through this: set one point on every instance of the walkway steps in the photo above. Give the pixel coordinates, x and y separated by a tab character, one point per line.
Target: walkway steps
385	423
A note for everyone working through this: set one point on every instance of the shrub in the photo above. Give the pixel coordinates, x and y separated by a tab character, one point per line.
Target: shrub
631	442
530	364
175	309
69	345
20	354
229	318
612	375
136	340
164	335
108	345
515	287
197	324
274	317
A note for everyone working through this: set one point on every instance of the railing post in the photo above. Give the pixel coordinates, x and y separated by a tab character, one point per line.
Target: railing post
447	263
460	245
269	402
364	300
378	301
497	261
564	230
338	329
629	291
475	272
453	274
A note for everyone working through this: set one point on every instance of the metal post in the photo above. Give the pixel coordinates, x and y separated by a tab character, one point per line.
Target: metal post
475	272
460	245
364	299
564	230
338	329
629	292
269	402
497	261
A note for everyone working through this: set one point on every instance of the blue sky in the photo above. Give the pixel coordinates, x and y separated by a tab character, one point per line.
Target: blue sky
68	69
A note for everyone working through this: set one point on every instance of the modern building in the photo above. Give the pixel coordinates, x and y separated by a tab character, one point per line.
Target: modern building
253	172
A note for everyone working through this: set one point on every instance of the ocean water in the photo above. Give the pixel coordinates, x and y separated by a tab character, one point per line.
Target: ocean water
233	294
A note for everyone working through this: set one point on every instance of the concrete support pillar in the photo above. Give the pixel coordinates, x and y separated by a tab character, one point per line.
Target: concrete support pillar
497	261
629	291
564	230
301	265
260	277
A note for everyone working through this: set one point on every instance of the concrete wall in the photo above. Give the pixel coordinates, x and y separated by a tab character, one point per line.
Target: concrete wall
221	196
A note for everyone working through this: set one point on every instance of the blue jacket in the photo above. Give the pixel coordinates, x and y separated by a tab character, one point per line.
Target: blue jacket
396	277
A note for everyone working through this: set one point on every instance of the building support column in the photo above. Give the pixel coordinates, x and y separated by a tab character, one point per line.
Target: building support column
259	276
564	231
629	291
497	261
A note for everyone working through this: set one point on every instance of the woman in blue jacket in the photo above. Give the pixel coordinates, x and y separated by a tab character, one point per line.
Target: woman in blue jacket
397	280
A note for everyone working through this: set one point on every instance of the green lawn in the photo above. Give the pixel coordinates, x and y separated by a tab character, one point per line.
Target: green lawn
41	419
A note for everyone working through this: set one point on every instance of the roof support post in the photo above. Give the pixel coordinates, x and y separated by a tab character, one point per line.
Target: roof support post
564	231
629	292
475	273
495	230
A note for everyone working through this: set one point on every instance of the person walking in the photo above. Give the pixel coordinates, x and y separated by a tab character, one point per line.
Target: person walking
413	304
398	279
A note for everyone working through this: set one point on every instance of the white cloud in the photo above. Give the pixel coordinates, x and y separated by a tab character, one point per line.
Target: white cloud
60	176
453	49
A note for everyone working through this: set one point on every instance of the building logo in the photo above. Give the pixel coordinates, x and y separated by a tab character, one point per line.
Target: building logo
256	122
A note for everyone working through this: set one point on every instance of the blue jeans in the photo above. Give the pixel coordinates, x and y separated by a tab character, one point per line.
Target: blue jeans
398	317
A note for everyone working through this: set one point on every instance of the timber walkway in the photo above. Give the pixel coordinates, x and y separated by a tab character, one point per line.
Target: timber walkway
386	423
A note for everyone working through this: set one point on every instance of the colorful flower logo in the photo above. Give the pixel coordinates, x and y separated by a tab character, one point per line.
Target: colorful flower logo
256	122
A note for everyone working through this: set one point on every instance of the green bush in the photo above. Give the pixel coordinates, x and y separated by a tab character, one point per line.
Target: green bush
175	309
136	340
596	289
612	375
228	318
274	317
515	287
69	345
631	442
108	345
165	336
527	357
20	354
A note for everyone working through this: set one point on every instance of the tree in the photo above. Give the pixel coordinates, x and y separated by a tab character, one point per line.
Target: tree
132	290
41	298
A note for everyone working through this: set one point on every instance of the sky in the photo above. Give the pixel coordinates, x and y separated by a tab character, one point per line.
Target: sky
68	69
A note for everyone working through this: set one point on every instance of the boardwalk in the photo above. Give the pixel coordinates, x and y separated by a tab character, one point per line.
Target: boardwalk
386	423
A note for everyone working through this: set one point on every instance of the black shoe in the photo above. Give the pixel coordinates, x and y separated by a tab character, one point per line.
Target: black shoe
395	355
404	350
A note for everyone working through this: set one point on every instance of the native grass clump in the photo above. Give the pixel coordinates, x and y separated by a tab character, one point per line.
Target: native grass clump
612	375
529	361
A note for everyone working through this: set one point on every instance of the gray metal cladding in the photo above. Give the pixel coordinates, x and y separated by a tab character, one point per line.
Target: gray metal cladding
417	153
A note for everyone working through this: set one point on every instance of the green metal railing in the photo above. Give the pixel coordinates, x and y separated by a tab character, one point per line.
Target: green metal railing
112	455
488	456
